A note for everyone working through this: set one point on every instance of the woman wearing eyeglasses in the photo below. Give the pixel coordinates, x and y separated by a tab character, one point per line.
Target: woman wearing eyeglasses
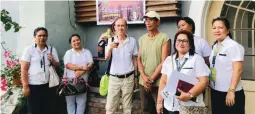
226	62
35	62
186	61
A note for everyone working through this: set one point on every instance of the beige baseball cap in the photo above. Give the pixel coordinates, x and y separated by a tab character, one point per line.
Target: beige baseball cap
152	14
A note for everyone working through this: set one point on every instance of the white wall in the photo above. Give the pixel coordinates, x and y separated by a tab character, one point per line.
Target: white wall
196	12
29	15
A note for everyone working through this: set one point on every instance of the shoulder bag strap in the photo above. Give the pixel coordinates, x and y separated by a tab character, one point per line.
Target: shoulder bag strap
110	62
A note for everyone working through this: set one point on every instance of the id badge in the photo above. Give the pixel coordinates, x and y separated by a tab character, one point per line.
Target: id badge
41	76
212	75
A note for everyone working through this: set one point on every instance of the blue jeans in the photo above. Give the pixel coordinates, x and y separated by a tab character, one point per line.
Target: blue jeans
80	100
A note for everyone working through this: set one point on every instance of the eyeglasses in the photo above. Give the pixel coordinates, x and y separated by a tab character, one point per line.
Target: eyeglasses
182	41
120	26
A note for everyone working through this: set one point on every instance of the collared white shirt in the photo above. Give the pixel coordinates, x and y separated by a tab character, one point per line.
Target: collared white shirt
231	51
34	55
202	47
79	58
122	57
195	66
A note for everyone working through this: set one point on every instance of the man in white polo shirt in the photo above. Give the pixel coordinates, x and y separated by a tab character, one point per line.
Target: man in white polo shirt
123	70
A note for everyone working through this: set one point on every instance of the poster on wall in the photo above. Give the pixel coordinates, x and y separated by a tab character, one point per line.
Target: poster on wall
131	10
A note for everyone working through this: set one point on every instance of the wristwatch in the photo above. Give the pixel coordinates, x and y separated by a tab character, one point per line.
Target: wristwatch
190	95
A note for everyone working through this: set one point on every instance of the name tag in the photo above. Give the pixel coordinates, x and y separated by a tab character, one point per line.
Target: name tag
41	76
188	68
223	54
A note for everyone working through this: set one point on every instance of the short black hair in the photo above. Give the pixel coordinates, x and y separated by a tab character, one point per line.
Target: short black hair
189	21
70	39
226	23
113	24
191	42
40	28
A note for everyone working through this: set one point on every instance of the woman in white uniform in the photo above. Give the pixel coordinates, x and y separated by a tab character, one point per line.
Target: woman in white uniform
226	61
186	61
35	62
78	62
202	47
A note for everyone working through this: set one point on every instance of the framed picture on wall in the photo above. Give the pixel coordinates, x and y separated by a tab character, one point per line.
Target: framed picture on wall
131	10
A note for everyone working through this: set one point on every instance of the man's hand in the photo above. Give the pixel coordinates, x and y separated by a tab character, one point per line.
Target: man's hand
26	90
79	73
136	83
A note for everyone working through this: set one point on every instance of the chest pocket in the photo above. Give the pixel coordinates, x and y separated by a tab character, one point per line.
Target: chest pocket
188	68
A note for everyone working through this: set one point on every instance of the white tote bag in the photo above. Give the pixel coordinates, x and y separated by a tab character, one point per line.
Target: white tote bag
54	78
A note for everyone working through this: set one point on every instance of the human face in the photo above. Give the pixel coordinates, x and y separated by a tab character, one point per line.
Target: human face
41	37
183	25
120	27
151	24
182	43
220	31
76	42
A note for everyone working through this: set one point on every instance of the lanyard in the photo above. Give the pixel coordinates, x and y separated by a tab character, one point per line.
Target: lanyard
215	52
179	66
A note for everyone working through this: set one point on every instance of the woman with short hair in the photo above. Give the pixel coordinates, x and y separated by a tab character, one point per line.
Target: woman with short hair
186	61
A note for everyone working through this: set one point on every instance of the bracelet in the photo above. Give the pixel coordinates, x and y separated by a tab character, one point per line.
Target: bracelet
159	102
231	90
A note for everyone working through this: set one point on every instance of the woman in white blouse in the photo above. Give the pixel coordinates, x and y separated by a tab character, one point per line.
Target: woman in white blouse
35	63
186	61
202	47
78	62
226	60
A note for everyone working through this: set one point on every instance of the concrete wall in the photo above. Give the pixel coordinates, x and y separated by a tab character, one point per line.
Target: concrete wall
58	24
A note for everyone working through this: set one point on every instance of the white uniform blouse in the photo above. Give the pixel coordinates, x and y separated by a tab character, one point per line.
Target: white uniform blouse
33	55
82	58
202	47
195	66
231	51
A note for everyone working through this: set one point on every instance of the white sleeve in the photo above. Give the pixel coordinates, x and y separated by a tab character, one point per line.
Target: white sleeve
236	52
206	49
26	56
89	56
55	54
135	51
201	69
67	57
166	65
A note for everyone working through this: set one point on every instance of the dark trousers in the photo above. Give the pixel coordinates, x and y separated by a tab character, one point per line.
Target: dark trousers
148	99
42	99
218	99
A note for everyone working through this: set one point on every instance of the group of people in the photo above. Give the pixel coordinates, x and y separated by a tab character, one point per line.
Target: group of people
219	66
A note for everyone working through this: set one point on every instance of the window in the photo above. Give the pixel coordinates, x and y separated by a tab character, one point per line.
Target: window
241	15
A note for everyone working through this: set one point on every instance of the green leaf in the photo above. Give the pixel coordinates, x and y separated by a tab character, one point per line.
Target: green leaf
7	26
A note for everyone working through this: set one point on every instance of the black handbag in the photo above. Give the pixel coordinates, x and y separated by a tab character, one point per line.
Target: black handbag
72	87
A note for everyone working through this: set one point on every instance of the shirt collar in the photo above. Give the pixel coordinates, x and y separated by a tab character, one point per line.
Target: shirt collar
83	50
184	57
45	49
225	41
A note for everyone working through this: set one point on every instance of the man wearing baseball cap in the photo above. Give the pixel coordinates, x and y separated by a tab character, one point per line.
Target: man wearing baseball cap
154	47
